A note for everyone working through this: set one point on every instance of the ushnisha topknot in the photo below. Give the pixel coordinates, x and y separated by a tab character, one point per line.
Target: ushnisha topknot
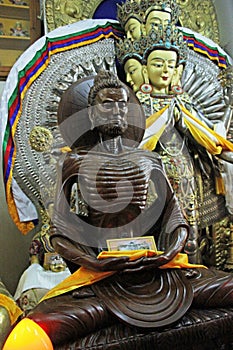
104	79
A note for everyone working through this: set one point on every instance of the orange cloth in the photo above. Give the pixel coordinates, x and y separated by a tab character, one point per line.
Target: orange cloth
84	277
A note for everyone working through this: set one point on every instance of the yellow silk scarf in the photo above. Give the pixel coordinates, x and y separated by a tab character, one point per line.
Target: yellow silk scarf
153	123
84	277
13	310
206	137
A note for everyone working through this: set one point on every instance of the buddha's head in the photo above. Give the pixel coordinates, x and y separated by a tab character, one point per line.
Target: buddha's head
164	55
108	98
130	57
138	17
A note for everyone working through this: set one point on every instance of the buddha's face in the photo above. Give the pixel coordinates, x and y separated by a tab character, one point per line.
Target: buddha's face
133	29
110	111
161	66
157	18
134	76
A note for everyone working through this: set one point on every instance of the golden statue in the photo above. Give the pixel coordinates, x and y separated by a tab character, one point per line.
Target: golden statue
183	136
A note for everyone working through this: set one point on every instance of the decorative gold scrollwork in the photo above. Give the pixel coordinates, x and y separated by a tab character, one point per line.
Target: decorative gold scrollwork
62	12
198	15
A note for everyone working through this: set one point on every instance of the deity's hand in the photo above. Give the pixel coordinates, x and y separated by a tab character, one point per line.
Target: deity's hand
84	256
179	237
122	264
228	96
102	265
180	124
77	256
225	78
175	245
146	263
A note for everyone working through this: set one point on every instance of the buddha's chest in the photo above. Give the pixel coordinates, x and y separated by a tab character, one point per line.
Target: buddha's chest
108	181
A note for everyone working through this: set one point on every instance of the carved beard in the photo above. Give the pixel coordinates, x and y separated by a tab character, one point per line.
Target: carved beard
113	129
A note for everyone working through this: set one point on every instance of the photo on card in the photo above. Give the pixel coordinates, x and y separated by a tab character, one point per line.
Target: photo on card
132	243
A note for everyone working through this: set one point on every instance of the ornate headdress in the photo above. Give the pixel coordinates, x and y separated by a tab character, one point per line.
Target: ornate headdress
141	8
169	6
129	9
126	49
168	38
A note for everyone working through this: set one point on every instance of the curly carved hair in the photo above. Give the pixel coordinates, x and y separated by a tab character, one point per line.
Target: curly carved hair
104	79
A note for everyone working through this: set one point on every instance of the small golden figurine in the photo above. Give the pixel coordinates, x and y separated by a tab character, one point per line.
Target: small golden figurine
18	30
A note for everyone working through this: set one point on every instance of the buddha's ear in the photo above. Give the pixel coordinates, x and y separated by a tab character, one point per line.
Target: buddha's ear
145	74
90	112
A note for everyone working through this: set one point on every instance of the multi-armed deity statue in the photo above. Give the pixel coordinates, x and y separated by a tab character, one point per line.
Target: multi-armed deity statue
153	55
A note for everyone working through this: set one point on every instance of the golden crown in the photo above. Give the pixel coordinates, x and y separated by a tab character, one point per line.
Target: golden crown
141	8
126	48
170	6
129	9
168	38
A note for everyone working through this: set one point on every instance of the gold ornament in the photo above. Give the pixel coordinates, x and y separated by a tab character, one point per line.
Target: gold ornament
40	139
226	77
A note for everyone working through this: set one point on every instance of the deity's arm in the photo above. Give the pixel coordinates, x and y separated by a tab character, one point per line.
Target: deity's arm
64	231
199	115
173	228
228	116
227	156
84	256
226	81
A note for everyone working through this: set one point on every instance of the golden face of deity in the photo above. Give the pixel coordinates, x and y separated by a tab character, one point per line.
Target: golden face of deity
161	66
155	19
134	75
133	29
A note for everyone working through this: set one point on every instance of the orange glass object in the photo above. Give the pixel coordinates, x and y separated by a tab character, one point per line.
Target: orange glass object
28	335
